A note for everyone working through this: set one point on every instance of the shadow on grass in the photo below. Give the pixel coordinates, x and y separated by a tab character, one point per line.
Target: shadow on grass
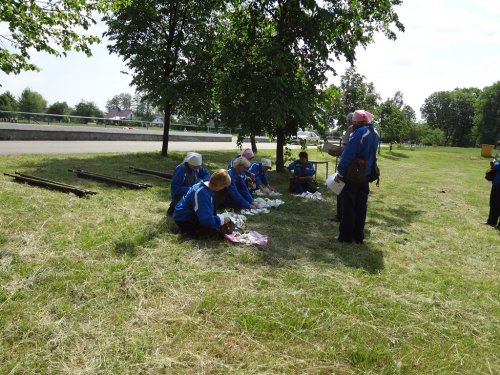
297	231
393	155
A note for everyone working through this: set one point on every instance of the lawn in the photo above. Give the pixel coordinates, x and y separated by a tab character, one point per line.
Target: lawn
103	284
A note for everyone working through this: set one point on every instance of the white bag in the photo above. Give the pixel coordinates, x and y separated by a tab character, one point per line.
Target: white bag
335	187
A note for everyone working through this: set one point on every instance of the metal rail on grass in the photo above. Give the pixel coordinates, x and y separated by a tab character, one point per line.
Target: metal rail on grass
134	170
110	180
53	185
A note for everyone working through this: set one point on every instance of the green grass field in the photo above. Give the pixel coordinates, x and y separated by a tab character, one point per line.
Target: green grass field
102	285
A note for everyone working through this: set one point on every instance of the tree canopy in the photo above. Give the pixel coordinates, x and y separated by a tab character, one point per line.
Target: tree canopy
47	26
8	102
31	101
121	101
87	109
168	46
292	45
453	113
487	115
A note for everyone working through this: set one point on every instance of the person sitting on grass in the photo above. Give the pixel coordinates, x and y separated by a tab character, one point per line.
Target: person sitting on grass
237	194
261	177
301	174
185	175
195	212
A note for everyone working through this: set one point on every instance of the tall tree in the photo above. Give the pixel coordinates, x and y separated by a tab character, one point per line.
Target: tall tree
44	26
59	108
168	45
87	109
358	94
487	115
8	102
453	113
395	125
121	101
296	40
32	101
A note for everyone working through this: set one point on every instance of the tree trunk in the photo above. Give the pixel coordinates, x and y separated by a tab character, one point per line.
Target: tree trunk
254	144
166	128
280	143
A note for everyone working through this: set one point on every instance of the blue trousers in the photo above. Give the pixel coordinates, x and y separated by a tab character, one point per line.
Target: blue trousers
354	207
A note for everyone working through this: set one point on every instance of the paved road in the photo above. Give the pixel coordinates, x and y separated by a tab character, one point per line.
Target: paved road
84	147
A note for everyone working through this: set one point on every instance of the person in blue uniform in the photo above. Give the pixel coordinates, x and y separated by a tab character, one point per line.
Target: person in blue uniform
249	155
237	194
494	213
361	148
345	141
261	178
195	214
301	174
185	175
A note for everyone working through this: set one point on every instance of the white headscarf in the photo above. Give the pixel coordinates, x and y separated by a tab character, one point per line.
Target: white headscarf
266	162
240	160
193	158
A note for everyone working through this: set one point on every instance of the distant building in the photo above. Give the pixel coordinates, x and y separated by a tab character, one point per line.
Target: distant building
157	121
119	114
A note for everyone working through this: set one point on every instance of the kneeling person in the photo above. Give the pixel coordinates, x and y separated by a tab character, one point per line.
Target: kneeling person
261	177
185	175
195	213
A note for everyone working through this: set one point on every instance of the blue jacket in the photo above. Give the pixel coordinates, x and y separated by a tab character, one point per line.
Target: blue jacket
238	191
296	167
180	179
359	147
496	167
198	205
260	174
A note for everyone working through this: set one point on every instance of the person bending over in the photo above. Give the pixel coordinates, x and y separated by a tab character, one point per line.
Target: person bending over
237	194
195	213
261	177
185	175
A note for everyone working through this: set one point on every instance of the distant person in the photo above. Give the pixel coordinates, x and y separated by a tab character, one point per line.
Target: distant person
301	174
195	214
185	175
344	142
494	213
361	149
261	178
237	194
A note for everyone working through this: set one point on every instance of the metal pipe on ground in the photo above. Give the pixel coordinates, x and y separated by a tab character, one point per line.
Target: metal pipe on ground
164	175
53	185
110	180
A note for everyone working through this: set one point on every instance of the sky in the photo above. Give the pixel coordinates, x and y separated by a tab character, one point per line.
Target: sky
446	44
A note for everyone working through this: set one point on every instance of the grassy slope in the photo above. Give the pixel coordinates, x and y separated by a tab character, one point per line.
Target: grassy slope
102	285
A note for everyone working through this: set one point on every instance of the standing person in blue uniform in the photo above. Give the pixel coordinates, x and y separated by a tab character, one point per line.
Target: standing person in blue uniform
195	213
494	213
361	149
185	175
261	178
301	174
345	141
237	194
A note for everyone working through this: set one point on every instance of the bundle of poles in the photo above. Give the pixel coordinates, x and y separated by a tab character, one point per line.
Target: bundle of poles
49	184
108	179
148	172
